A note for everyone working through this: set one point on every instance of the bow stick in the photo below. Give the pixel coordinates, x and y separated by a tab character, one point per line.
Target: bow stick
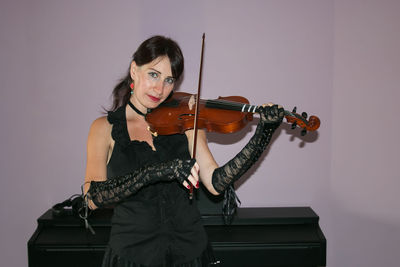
194	140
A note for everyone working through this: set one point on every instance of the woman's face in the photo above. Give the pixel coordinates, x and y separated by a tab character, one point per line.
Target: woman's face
153	82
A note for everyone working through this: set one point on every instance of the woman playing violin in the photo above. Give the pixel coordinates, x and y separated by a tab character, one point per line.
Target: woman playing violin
147	178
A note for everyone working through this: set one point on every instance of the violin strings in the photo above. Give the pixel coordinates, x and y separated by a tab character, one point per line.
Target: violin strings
224	104
234	105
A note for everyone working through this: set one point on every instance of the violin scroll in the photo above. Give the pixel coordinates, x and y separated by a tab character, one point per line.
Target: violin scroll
297	120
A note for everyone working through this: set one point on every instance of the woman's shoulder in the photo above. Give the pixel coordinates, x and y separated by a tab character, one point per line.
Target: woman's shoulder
104	123
117	116
100	128
101	123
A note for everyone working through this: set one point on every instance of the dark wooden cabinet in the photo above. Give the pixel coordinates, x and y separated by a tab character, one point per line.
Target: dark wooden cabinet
274	237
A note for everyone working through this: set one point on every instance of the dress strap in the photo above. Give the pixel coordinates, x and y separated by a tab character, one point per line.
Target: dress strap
119	130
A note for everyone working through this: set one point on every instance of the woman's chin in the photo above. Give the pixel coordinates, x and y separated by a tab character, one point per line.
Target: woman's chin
153	105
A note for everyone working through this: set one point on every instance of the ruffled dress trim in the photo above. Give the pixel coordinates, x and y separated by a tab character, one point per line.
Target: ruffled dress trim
206	259
119	130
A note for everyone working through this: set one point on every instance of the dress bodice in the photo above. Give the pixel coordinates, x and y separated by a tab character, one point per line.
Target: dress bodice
158	223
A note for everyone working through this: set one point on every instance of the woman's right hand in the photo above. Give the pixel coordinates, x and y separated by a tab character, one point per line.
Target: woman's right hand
186	171
193	178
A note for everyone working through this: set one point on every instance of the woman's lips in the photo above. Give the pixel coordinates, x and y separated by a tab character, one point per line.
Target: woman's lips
154	99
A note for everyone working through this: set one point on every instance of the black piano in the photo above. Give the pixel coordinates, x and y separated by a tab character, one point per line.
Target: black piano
273	237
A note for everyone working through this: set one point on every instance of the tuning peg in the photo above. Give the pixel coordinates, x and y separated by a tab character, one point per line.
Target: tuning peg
304	115
303	132
294	110
294	125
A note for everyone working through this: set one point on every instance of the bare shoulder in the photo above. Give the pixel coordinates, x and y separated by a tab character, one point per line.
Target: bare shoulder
101	124
100	129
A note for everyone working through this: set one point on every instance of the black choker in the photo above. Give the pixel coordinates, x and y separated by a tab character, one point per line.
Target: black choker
135	109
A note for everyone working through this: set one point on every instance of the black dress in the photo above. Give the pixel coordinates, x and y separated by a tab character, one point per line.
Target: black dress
157	226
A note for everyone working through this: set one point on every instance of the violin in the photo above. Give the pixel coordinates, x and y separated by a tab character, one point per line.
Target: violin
183	112
223	115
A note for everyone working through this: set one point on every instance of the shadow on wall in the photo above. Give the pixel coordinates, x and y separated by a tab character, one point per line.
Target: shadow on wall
229	139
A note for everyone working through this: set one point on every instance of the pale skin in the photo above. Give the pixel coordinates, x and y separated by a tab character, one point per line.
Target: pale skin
153	82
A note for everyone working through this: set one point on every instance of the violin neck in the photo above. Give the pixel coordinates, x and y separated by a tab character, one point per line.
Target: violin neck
229	105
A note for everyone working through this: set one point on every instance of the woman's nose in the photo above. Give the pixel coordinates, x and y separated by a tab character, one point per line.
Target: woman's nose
159	87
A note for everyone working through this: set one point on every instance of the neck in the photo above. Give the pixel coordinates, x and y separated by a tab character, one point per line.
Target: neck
136	109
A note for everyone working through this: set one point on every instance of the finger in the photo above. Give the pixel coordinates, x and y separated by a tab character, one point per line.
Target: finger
195	175
281	111
269	104
193	181
197	167
186	185
195	172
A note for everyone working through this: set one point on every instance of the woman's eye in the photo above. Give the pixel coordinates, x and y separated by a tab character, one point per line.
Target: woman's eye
170	80
153	74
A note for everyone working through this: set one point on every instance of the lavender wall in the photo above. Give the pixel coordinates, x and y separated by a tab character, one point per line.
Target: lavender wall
334	58
364	183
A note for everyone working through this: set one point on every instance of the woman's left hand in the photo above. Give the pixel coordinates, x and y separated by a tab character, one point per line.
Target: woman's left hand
271	113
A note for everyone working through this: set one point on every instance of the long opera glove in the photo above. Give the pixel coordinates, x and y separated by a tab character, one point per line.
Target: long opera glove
224	176
117	189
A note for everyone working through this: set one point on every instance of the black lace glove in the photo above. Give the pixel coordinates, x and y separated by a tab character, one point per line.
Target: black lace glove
116	189
224	176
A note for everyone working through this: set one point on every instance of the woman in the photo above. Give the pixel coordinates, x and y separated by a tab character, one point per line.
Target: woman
147	178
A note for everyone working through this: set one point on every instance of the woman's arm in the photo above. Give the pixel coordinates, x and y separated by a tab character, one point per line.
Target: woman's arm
204	158
100	191
221	179
99	145
218	179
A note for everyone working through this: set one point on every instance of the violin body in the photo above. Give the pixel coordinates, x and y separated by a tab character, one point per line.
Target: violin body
177	115
223	115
